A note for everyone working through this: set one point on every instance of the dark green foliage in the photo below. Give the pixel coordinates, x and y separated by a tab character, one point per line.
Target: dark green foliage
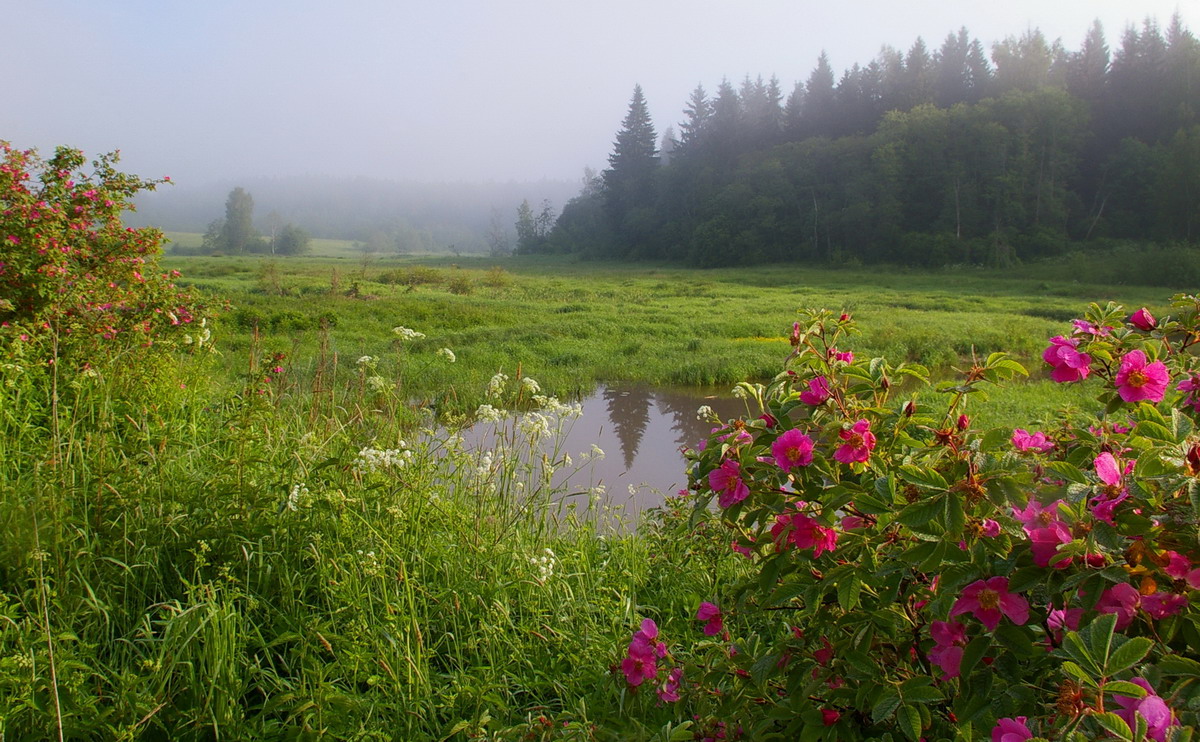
924	158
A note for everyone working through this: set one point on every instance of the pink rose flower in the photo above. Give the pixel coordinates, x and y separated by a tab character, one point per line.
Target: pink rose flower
1139	381
818	391
792	449
1068	363
949	638
1123	600
1143	320
988	600
1024	441
712	616
1011	730
727	482
1191	386
859	440
1151	707
803	532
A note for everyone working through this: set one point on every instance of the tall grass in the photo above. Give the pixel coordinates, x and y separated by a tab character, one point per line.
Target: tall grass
270	560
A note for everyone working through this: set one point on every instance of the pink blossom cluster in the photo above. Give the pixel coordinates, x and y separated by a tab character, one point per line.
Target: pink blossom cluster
1026	442
640	664
949	639
803	532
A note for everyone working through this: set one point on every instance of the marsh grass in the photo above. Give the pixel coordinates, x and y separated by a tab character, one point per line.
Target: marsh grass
574	325
226	561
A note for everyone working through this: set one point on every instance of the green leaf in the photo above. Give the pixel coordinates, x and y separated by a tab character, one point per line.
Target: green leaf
1067	471
787	592
995	438
923	694
1127	655
909	719
1123	688
762	666
1025	578
1154	431
920	513
973	653
922	477
849	588
955	517
682	732
1115	725
1074	648
1077	672
1173	664
1099	634
885	706
1181	425
1193	489
1180	734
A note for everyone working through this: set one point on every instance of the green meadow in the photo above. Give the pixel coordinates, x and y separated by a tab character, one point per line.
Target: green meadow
574	324
266	536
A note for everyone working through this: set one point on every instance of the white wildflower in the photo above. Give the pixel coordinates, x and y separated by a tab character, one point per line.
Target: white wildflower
529	384
485	465
535	425
739	392
297	492
366	361
545	564
187	340
407	334
496	385
552	406
488	414
447	354
705	413
377	383
375	459
596	494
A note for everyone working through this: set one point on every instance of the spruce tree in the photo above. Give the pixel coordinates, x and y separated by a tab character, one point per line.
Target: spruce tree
629	180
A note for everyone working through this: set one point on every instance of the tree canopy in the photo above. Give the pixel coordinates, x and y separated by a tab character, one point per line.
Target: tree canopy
933	156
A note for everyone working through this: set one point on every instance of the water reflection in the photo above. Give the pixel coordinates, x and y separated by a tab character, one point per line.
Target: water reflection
641	430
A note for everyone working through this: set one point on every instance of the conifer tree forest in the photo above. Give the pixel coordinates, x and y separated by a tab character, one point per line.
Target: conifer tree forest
929	157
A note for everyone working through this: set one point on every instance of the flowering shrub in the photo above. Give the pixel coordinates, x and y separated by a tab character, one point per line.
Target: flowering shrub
73	279
917	578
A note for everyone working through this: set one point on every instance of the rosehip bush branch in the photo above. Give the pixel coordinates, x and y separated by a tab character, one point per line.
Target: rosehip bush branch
918	578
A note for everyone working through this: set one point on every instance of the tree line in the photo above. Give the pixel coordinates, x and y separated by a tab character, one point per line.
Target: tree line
925	157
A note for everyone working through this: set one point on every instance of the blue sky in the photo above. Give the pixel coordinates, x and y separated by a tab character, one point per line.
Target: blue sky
439	90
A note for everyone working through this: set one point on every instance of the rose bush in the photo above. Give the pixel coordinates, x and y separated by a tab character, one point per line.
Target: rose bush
917	578
74	281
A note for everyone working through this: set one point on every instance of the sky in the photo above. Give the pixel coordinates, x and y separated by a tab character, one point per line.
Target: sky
439	90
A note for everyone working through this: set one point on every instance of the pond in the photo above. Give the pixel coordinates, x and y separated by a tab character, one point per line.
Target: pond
641	431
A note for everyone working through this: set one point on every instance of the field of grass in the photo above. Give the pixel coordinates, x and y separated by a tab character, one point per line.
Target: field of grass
572	325
210	549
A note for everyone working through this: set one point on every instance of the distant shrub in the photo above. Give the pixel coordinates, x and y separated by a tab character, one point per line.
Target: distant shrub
496	278
460	285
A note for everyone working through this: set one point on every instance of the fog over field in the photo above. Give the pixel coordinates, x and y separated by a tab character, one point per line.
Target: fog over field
221	93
